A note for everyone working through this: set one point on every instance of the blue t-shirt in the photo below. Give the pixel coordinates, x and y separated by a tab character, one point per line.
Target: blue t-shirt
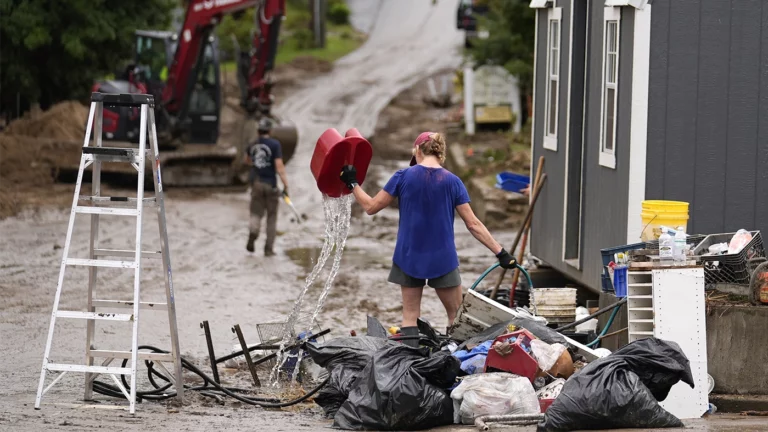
263	154
428	197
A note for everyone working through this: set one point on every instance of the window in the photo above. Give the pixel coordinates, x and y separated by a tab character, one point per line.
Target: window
610	87
553	79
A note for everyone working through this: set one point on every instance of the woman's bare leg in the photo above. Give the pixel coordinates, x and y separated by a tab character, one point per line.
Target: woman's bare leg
451	299
411	305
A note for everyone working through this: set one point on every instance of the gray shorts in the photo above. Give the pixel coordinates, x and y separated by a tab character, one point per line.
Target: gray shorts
398	276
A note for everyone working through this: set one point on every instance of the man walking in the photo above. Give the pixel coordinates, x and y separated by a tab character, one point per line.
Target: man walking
266	159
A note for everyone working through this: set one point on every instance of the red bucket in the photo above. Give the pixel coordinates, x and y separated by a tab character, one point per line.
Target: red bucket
332	152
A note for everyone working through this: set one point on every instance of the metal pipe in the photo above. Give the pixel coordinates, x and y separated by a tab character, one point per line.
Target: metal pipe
585	319
270	347
510	419
211	354
247	354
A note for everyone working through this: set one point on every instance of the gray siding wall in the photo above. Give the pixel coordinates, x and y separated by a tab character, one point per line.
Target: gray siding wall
708	111
547	224
604	192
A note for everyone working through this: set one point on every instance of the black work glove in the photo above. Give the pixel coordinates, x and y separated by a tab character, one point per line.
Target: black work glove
349	176
506	260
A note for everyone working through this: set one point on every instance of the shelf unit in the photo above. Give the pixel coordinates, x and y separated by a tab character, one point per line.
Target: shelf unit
669	304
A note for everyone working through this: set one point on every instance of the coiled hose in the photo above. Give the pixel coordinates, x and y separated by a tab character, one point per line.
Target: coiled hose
209	388
522	270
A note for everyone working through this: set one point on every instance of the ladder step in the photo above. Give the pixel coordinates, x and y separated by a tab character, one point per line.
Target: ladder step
127	304
101	263
107	210
94	315
129	158
117	201
127	355
127	253
60	367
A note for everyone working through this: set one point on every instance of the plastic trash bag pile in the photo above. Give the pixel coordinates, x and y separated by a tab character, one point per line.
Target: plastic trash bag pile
398	387
622	390
380	384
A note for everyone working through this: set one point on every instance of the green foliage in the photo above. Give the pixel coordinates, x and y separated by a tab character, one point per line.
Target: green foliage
303	39
338	13
511	26
240	28
54	50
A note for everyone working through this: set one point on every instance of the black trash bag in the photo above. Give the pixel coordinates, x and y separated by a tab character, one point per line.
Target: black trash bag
621	390
537	329
402	388
344	358
375	328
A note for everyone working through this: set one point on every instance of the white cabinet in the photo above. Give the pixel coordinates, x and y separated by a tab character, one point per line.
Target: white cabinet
669	304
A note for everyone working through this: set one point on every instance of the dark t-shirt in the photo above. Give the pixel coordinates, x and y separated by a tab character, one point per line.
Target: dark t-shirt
263	154
428	197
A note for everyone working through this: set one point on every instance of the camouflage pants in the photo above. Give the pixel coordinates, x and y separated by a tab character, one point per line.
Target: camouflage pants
264	199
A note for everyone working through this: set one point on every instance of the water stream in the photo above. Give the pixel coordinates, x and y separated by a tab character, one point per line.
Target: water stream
338	214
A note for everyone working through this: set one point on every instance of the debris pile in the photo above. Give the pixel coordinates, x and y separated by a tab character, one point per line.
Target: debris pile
517	372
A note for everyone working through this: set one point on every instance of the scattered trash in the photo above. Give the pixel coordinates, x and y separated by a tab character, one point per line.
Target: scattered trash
622	390
739	240
473	361
545	354
512	353
493	394
402	388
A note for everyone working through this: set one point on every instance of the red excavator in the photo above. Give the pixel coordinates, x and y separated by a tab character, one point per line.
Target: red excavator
182	72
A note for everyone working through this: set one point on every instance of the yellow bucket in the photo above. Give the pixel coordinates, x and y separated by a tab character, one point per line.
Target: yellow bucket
657	213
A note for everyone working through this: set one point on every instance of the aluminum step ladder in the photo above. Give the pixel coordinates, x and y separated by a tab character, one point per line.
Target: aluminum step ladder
95	206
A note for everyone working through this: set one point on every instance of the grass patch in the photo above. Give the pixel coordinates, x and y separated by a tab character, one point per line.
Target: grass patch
339	41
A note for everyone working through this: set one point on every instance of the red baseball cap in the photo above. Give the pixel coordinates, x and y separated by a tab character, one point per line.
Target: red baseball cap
421	139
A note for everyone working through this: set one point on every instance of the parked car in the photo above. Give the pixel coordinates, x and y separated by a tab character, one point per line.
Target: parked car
467	19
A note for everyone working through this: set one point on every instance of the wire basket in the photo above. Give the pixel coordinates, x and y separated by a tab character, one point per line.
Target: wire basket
730	269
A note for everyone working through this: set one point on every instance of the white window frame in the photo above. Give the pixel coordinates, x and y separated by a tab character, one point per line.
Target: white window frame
608	156
554	16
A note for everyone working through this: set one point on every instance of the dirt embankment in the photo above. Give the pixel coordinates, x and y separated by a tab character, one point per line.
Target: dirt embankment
33	147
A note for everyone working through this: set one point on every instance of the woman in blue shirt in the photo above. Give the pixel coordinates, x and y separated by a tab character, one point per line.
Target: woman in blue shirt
425	252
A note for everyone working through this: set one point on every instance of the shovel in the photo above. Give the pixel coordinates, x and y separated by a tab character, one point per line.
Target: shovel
287	200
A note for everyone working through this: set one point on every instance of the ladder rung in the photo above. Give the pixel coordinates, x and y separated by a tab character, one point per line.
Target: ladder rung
117	201
126	253
123	304
110	158
101	263
90	369
127	355
94	315
107	210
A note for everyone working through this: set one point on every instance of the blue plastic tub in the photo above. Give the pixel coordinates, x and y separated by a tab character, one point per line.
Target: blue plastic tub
512	182
620	281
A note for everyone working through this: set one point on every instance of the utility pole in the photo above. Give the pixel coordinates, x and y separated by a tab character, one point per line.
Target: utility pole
318	21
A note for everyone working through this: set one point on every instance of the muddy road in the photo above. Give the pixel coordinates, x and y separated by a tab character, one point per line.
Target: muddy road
215	279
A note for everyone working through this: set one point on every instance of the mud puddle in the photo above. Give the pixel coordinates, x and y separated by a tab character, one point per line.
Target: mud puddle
306	258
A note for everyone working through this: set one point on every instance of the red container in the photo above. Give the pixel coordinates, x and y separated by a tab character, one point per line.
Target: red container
332	152
544	404
519	361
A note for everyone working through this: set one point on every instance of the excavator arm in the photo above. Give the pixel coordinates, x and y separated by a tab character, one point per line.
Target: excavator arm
201	18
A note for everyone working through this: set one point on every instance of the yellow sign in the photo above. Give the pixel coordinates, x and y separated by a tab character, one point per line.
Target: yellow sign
493	114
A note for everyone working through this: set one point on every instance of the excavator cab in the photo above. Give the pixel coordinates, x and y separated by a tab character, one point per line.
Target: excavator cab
148	73
154	55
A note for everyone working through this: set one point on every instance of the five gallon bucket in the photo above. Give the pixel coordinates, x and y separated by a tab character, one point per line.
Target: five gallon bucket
332	152
656	213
